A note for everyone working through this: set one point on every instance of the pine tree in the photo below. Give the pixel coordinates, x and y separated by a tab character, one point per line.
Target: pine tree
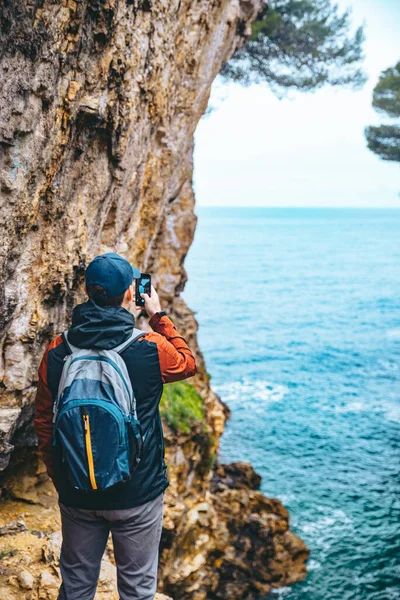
300	44
384	140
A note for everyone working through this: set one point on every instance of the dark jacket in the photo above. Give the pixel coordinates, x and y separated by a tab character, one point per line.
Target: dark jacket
159	357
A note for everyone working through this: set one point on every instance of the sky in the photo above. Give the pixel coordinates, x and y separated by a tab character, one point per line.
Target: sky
306	150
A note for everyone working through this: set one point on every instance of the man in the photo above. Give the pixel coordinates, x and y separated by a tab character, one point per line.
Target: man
131	510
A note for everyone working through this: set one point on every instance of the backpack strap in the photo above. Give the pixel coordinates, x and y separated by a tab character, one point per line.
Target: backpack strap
68	344
135	335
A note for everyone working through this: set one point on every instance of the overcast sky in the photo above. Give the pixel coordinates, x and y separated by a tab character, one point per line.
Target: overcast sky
310	150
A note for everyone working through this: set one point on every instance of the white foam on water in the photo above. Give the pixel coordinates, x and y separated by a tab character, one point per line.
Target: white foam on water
320	530
313	527
392	593
388	409
351	407
392	412
389	365
287	498
281	592
393	333
256	393
340	515
313	565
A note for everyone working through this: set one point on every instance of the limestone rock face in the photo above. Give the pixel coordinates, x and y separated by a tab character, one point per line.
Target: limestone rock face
99	101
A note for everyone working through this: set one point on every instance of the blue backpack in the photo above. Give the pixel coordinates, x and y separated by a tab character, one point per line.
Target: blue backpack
96	430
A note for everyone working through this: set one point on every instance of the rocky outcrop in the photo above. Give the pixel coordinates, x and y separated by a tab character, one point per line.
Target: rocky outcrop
234	543
99	101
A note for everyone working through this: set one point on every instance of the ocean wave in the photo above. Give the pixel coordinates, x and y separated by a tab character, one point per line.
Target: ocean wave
258	392
286	499
392	412
320	531
353	407
281	592
313	565
393	333
389	365
389	410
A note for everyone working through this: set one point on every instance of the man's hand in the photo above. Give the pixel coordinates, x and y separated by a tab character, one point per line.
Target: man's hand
151	303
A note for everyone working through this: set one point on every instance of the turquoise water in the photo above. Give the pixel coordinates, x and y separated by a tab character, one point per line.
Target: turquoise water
299	313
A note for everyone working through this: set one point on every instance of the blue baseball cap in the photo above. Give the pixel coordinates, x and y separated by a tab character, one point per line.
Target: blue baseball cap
112	271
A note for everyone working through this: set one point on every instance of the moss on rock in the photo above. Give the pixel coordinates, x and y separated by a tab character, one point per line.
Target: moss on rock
182	407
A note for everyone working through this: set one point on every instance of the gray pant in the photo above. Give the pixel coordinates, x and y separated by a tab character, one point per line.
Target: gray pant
136	536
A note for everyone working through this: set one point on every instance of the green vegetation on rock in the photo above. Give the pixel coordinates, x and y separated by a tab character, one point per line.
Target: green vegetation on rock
182	407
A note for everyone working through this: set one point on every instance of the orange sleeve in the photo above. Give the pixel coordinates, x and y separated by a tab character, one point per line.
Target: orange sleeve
43	421
176	359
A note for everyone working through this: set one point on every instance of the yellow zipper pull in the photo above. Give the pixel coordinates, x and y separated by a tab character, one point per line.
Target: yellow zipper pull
88	443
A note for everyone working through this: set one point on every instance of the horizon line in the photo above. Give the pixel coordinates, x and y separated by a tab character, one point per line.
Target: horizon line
291	207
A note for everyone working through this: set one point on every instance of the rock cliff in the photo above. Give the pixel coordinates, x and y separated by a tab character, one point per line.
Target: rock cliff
99	101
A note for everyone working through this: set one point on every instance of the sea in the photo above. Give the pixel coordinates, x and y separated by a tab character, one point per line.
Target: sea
299	315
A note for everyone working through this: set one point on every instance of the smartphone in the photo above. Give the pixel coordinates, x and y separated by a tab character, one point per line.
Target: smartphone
143	286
